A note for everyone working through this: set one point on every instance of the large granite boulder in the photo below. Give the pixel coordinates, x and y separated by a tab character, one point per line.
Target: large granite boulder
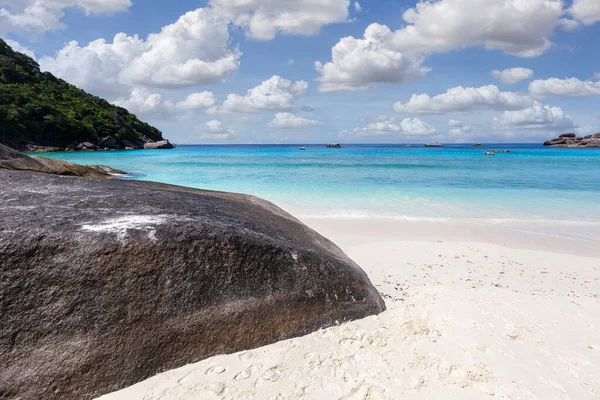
104	283
13	160
163	144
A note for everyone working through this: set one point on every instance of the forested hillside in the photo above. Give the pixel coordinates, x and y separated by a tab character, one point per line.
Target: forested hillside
36	107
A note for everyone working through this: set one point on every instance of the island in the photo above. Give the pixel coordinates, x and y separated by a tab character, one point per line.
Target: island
571	140
40	112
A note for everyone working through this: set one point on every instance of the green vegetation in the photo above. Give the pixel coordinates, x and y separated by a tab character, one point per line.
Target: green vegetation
40	108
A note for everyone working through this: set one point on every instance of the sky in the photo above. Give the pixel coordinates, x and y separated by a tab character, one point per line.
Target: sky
327	71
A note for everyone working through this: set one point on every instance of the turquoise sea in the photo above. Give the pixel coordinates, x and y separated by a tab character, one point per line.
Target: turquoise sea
531	184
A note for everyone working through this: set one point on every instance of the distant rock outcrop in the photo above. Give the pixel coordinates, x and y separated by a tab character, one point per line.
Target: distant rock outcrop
105	282
571	140
13	160
163	144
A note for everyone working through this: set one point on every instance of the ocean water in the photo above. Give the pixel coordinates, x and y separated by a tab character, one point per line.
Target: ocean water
530	185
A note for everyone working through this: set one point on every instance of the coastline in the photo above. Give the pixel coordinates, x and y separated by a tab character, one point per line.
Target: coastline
466	318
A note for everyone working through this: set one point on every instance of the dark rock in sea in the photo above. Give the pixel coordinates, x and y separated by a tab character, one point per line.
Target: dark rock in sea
572	141
131	145
104	283
163	144
86	146
107	142
13	160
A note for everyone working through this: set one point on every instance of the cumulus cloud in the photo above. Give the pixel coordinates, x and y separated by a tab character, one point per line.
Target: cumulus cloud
32	17
197	100
464	100
288	120
384	126
538	116
457	128
586	11
16	46
194	50
571	87
263	19
358	63
215	131
274	94
144	103
512	75
516	27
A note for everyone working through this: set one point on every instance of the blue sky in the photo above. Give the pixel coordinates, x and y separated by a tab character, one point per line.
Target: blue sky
402	71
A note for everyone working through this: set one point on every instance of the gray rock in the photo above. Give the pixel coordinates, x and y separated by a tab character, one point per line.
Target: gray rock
86	146
107	142
163	144
105	283
13	160
131	145
572	141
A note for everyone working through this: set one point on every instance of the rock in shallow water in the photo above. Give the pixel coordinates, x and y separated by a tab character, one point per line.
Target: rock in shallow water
14	160
105	283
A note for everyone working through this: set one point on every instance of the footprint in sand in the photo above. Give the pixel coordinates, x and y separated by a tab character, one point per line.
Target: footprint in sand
245	374
246	355
217	388
217	369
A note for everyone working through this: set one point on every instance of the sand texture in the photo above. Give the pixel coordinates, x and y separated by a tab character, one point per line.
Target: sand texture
465	320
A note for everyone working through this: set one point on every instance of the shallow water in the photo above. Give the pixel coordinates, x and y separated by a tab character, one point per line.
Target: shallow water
556	187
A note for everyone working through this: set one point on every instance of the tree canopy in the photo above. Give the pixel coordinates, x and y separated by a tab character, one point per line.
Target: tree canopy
40	108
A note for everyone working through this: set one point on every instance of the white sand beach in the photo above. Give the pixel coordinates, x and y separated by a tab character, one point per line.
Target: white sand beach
473	313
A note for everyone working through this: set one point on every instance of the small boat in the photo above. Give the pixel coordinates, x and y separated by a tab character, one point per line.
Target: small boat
301	148
477	145
489	153
434	144
334	146
502	151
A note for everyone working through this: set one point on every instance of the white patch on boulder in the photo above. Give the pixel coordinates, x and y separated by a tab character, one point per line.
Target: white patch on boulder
121	225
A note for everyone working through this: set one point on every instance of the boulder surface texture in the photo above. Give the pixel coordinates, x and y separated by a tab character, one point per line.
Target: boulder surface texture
104	283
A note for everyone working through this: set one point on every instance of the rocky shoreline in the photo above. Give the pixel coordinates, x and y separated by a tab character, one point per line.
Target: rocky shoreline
104	144
572	141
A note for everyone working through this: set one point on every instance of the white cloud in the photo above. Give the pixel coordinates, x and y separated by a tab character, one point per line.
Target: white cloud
586	11
518	27
194	50
215	131
571	87
538	116
18	47
464	100
34	17
274	94
458	128
384	126
144	103
513	75
357	6
597	75
288	120
263	19
357	63
197	100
